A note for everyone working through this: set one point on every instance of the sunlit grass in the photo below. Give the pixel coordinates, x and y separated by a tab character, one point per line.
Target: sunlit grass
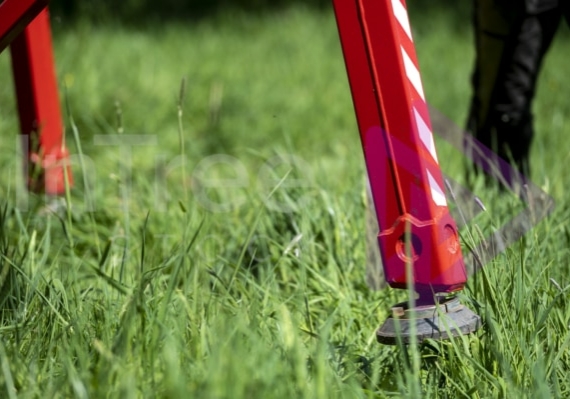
244	275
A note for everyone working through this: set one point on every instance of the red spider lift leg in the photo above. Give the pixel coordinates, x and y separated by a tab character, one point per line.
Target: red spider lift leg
24	25
418	238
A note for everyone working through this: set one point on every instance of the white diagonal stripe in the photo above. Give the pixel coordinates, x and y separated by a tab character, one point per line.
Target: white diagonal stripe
437	193
412	73
425	133
402	16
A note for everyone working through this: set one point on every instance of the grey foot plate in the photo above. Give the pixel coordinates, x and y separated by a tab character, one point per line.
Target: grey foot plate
437	325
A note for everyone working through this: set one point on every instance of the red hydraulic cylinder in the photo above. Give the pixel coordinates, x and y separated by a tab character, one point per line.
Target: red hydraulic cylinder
38	102
416	227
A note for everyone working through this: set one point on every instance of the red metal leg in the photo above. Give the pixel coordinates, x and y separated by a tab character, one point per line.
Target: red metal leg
395	129
15	15
416	227
38	105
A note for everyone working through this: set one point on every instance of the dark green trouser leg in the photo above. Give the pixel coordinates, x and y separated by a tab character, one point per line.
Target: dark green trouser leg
510	47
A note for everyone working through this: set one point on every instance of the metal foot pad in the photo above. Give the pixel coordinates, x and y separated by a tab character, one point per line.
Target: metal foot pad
437	321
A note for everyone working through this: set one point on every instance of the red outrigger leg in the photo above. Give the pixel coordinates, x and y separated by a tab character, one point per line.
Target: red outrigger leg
416	227
24	26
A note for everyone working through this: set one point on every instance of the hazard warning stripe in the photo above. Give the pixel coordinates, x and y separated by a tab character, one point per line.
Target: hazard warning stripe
402	16
426	135
413	75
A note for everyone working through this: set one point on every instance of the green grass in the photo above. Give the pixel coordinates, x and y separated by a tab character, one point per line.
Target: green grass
171	282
